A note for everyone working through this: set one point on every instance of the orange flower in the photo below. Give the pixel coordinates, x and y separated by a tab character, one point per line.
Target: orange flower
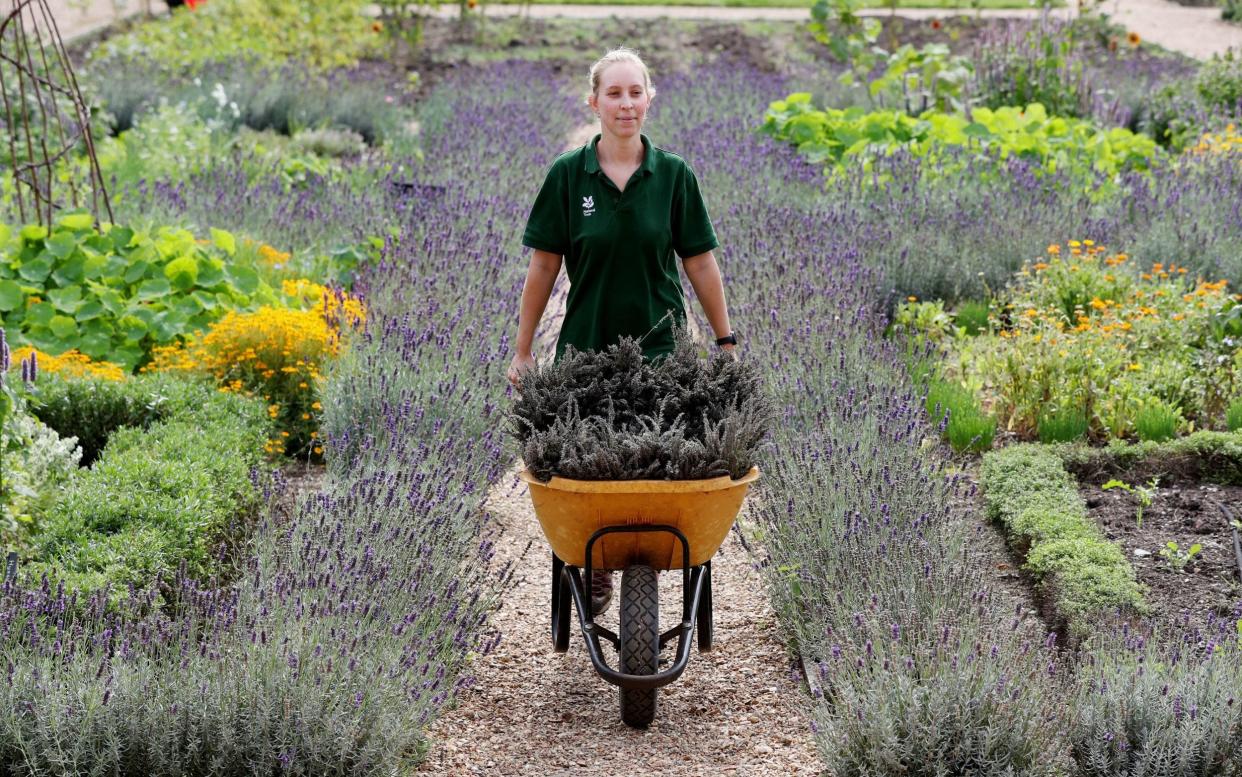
1133	39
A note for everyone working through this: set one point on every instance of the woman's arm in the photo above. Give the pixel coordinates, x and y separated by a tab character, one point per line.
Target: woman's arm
540	278
704	275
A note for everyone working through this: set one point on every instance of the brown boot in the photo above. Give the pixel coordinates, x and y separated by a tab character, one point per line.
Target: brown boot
601	590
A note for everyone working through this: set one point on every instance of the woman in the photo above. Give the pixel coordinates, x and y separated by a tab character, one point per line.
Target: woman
616	211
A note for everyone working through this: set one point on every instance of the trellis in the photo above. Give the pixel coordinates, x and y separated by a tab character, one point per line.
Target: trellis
44	118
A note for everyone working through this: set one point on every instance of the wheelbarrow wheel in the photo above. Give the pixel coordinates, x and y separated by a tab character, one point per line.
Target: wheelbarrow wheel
640	641
562	604
705	624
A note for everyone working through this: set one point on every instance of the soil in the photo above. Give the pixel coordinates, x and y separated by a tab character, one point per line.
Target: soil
1184	513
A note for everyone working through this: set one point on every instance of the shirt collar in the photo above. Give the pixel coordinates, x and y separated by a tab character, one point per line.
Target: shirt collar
592	161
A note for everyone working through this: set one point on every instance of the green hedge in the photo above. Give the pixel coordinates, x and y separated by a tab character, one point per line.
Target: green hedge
1212	456
1086	577
160	495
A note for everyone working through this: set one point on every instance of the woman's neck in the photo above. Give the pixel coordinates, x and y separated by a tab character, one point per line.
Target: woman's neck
613	150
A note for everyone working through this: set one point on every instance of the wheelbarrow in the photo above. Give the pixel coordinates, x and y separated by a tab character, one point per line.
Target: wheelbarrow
642	527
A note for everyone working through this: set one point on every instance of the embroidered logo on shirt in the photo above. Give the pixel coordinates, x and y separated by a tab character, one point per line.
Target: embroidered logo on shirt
588	206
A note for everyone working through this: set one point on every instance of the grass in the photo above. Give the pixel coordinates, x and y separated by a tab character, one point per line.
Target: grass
946	4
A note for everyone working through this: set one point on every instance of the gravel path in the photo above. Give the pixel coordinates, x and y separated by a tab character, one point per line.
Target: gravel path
736	710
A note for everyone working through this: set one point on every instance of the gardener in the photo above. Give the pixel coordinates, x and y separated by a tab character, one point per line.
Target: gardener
616	210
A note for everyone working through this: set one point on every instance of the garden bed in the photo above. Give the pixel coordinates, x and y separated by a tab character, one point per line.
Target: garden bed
1184	513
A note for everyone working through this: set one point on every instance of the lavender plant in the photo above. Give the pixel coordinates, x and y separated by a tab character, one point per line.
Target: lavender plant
611	415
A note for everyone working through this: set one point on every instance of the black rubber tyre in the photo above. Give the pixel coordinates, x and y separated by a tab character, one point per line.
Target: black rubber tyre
704	621
640	641
562	606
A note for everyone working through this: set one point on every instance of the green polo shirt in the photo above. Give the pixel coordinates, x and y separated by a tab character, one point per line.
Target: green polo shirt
619	246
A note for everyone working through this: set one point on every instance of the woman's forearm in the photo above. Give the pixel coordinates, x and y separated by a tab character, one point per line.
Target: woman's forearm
704	275
540	278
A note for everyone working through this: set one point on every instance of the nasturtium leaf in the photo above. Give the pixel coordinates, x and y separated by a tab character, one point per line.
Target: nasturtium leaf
136	272
76	221
976	130
67	299
36	270
224	240
163	327
40	313
132	327
93	267
61	244
63	327
11	296
153	289
187	306
33	232
112	301
121	237
206	301
245	279
91	309
210	272
70	271
127	355
182	272
96	346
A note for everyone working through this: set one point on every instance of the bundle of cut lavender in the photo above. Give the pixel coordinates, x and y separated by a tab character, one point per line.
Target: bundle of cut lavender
609	415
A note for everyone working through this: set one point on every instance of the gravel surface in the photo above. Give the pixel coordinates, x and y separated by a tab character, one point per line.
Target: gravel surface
736	710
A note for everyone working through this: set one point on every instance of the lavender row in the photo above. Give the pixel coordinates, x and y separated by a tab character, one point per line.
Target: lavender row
358	612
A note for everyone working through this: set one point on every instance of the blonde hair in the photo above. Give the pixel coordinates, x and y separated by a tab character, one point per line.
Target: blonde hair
621	54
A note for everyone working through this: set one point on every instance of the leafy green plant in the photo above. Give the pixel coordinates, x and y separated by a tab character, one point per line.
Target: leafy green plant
116	293
1143	494
1176	558
1219	82
924	321
323	35
966	426
1062	424
1233	418
1156	421
837	137
971	316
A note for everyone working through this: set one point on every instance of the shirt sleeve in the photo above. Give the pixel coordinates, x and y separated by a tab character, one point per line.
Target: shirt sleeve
692	228
547	229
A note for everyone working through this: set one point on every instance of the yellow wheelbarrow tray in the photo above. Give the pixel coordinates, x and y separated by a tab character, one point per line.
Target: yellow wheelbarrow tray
641	527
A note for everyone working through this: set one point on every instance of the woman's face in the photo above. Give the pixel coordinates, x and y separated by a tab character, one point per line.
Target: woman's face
621	100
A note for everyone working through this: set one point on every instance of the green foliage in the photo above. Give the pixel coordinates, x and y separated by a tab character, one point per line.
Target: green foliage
1037	502
157	496
966	427
36	462
836	137
972	316
1156	421
1140	353
1231	10
92	409
1143	495
1233	418
1040	68
1219	82
1176	558
1203	455
323	35
115	293
924	321
1062	424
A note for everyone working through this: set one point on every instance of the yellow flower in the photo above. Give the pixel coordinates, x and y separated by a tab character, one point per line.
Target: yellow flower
1134	367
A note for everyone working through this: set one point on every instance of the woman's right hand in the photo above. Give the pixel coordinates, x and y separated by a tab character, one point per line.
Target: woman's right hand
521	363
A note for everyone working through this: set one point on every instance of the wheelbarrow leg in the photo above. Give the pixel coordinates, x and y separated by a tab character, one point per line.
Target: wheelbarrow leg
562	606
704	616
640	641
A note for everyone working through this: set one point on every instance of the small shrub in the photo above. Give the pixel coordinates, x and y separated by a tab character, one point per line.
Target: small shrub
1037	502
91	409
276	354
156	497
1062	425
1219	82
1233	417
1156	421
972	316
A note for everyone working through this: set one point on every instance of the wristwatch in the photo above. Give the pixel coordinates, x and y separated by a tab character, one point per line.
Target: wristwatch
730	339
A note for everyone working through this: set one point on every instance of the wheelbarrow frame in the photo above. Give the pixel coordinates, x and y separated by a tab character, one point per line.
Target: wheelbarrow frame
696	592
